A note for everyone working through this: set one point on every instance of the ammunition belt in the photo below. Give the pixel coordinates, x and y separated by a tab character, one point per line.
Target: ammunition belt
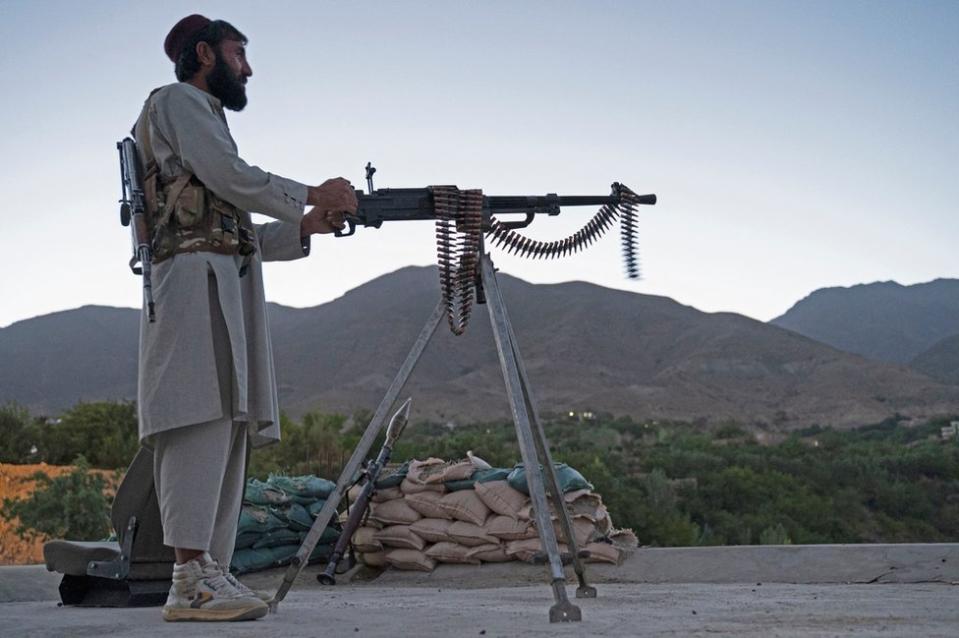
625	211
459	221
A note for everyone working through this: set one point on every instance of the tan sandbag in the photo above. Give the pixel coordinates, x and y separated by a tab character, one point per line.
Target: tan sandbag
420	471
412	487
395	512
387	494
400	536
525	550
465	505
585	503
509	529
526	513
369	522
364	539
604	524
470	534
584	530
490	553
451	553
375	559
432	530
501	498
427	504
603	553
410	559
453	471
624	539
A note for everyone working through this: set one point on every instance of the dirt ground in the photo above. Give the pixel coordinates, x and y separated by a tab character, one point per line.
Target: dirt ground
747	610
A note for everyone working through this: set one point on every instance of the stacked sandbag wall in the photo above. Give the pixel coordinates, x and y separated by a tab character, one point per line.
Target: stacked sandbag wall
433	511
275	518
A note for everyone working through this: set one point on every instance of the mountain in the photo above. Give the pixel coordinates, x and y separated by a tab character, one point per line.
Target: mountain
885	321
941	361
585	347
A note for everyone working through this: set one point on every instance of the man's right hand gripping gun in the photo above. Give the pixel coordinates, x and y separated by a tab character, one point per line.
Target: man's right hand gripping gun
133	209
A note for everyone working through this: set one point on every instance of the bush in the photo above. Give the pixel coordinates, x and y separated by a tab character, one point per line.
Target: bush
74	506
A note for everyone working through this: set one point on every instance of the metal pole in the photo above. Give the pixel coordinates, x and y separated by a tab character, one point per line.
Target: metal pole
359	455
562	610
542	448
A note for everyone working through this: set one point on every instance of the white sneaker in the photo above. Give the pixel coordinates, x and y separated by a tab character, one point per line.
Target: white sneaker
265	596
200	591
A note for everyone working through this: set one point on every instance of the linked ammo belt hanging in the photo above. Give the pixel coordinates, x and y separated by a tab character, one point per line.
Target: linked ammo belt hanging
459	229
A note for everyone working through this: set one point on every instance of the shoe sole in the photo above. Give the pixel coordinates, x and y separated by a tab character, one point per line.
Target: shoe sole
187	614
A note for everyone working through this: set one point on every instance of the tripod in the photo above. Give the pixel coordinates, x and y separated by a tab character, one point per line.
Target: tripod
533	446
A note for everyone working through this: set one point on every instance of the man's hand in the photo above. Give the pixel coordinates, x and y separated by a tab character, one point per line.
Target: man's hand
331	201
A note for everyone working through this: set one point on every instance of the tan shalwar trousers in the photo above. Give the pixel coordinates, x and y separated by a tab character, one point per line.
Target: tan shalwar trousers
200	470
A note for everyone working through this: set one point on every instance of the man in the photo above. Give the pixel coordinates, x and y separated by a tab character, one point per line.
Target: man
206	381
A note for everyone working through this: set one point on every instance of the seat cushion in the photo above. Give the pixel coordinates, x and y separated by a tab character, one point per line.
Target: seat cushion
72	557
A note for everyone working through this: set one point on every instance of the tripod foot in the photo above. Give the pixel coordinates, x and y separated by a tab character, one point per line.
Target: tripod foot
585	591
565	612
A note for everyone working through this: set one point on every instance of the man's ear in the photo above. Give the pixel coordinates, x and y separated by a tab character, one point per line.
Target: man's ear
205	54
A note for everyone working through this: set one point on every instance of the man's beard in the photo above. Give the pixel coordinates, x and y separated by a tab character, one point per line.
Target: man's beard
225	85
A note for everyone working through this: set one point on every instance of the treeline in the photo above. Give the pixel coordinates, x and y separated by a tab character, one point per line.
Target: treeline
674	484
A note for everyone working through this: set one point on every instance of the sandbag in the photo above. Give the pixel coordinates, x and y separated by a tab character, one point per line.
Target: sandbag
393	478
432	530
369	522
501	498
302	489
465	505
490	553
470	534
412	487
420	471
374	559
479	476
258	519
427	504
257	492
379	495
315	507
251	560
451	553
410	559
395	512
246	539
364	539
624	539
452	471
584	530
294	515
399	536
603	553
276	538
526	550
569	479
509	529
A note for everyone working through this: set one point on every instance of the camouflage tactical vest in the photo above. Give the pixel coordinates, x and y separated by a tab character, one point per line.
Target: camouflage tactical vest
183	215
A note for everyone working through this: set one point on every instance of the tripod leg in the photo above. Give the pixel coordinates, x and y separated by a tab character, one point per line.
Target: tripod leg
552	482
562	610
359	455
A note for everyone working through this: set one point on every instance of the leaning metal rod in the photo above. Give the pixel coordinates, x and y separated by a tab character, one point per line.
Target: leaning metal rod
542	449
359	455
563	610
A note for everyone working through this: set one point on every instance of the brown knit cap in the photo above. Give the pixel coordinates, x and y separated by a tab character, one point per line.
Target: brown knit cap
181	33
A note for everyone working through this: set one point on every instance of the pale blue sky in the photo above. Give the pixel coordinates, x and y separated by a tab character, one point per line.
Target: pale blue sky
793	145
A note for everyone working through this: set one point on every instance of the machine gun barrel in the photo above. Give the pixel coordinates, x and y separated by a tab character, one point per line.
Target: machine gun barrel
133	214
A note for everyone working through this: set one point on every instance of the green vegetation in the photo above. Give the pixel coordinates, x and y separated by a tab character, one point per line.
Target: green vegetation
74	505
674	484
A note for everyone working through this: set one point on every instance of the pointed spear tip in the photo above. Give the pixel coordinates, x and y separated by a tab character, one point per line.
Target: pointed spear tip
405	408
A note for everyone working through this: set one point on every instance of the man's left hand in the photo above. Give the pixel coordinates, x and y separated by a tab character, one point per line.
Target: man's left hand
320	222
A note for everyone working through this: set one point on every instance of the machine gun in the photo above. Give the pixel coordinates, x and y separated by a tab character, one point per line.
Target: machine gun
133	209
463	217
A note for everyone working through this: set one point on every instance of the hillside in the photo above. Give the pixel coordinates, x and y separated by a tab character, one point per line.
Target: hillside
586	348
941	361
885	321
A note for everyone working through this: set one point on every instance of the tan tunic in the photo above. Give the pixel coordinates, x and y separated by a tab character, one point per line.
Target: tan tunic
178	383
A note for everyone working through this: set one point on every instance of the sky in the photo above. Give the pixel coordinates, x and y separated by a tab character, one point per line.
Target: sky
792	145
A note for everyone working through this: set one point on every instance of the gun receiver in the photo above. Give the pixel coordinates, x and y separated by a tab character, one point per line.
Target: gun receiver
133	214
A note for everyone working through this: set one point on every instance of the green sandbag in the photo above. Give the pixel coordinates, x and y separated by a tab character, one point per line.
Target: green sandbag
315	507
294	515
257	519
277	537
259	493
479	476
330	535
569	479
394	478
246	540
306	486
321	553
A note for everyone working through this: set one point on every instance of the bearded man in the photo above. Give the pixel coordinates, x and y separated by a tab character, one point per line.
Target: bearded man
207	388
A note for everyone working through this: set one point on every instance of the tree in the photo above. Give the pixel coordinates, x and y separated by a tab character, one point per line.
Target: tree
74	505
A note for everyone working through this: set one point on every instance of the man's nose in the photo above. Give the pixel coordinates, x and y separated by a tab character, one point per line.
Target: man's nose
246	70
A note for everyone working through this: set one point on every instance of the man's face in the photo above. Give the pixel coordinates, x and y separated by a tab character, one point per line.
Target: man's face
227	79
